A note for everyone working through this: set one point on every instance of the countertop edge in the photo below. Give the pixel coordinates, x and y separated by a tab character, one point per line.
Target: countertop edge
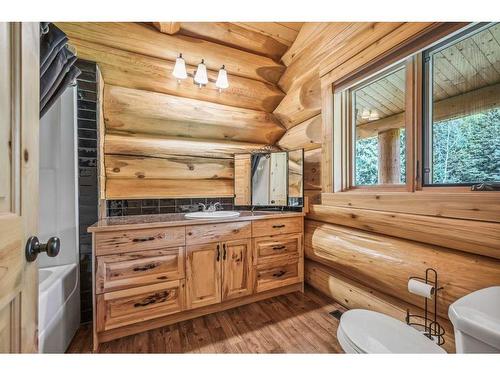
188	222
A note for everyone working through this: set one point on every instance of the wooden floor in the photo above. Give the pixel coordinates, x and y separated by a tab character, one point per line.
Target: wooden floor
292	323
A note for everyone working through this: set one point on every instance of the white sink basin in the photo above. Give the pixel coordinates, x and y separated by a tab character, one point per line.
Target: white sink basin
212	215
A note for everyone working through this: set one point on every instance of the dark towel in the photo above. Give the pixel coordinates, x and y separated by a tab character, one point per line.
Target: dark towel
68	80
60	65
50	45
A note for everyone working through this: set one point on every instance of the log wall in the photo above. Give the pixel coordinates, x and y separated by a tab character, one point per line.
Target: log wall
168	139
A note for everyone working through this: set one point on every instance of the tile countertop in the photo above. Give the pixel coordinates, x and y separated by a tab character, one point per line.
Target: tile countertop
174	220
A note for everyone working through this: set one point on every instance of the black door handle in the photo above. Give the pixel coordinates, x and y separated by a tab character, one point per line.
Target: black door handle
224	253
34	247
218	252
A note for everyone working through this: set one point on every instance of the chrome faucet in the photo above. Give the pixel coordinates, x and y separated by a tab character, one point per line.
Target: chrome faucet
211	208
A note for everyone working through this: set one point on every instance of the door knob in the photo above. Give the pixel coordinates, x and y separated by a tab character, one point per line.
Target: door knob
34	247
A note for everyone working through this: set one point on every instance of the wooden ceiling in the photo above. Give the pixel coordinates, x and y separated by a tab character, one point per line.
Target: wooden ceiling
271	39
469	66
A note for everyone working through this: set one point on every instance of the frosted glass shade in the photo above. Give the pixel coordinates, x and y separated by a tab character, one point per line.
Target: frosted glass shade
180	68
200	76
373	116
222	82
365	115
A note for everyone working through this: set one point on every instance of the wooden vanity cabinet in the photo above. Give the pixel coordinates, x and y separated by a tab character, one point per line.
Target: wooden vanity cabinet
203	275
150	277
218	272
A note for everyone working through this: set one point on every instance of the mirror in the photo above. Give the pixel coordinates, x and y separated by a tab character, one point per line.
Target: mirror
269	178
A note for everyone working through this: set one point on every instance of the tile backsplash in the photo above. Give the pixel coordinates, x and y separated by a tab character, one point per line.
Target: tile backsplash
126	207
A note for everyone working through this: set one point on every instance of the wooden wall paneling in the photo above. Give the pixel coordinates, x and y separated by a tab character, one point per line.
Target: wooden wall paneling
312	169
307	36
398	44
284	32
232	35
385	263
365	37
331	146
146	40
469	236
354	295
306	135
101	132
242	179
136	71
301	102
119	188
139	111
333	34
154	146
483	206
184	167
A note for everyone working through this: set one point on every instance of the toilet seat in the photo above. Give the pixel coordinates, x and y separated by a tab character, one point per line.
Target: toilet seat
364	331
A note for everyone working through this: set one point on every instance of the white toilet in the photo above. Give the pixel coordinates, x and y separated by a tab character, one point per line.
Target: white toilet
475	318
476	321
365	331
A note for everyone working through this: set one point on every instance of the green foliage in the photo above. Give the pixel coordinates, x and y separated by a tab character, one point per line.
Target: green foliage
467	149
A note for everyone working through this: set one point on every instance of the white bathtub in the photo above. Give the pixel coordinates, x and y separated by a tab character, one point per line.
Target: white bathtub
59	307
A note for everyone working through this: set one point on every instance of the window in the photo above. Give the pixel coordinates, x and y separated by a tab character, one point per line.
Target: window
462	108
378	129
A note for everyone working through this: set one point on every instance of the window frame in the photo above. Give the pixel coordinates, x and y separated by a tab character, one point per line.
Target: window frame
425	138
343	105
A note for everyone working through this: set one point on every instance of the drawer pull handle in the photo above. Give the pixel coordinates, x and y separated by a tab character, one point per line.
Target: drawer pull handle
279	247
145	268
276	226
143	239
157	297
279	274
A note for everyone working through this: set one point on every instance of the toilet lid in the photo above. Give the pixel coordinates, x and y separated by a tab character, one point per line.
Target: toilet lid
372	332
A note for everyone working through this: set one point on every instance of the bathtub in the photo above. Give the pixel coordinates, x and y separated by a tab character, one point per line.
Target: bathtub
59	307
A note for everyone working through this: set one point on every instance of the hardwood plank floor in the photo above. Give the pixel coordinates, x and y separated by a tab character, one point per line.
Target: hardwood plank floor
292	323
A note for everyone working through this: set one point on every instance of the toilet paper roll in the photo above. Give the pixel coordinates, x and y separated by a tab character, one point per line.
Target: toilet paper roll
420	288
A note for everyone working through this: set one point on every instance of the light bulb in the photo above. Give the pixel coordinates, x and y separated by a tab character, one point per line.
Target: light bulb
222	82
201	77
180	68
373	116
365	115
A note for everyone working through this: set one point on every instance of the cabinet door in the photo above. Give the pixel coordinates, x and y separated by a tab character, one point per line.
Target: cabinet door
203	275
237	280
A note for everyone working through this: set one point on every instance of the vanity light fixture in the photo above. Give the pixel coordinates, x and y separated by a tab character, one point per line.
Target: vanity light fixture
180	69
201	77
222	82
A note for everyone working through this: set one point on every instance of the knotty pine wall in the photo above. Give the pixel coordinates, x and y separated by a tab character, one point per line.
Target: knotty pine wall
164	139
362	248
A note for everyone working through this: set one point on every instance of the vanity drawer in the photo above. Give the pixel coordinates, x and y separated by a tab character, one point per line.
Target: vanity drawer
278	274
272	248
206	233
137	240
129	270
272	227
124	307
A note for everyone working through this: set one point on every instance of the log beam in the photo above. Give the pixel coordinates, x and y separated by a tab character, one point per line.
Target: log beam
169	28
389	164
138	111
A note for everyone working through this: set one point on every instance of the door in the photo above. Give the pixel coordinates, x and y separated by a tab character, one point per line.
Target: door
19	111
203	275
237	278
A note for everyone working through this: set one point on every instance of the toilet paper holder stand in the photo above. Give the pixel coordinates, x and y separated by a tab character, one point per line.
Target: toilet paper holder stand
428	323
